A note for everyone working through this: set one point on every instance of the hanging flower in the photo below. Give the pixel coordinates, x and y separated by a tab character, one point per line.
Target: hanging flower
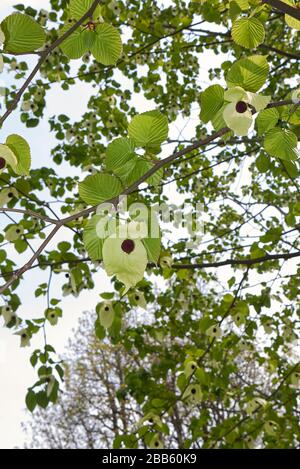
270	427
7	195
9	316
190	368
165	261
193	394
250	442
124	254
156	443
29	106
238	114
138	299
254	405
52	316
106	314
14	232
151	419
25	337
295	379
214	331
50	386
7	157
239	319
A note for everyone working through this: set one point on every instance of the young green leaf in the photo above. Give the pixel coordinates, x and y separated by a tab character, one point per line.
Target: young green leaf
212	100
21	149
119	152
99	188
281	143
250	73
149	129
248	32
22	33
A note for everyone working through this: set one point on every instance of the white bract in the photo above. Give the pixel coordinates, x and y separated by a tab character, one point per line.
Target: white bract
8	315
214	331
106	314
166	262
25	337
138	299
156	443
7	194
193	394
238	113
124	254
190	368
52	316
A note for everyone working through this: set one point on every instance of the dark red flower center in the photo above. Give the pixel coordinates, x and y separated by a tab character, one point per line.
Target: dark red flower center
2	163
241	107
127	246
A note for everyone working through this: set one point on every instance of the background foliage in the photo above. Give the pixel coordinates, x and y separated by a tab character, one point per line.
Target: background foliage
214	309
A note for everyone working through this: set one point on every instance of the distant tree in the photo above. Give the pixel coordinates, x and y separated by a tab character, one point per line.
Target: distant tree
99	405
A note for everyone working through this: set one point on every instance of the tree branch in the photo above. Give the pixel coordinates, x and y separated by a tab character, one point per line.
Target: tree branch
257	260
284	8
115	200
31	213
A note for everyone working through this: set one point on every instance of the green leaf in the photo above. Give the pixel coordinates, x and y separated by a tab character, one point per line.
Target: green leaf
75	45
78	8
104	43
266	120
22	33
149	129
99	188
30	400
153	248
107	48
212	100
119	152
262	163
92	242
291	169
42	399
248	32
281	144
153	242
250	73
137	168
22	151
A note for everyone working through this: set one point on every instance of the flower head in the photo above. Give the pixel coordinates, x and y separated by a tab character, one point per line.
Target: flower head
238	113
156	443
52	316
25	337
106	314
9	316
193	394
190	368
124	254
7	194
